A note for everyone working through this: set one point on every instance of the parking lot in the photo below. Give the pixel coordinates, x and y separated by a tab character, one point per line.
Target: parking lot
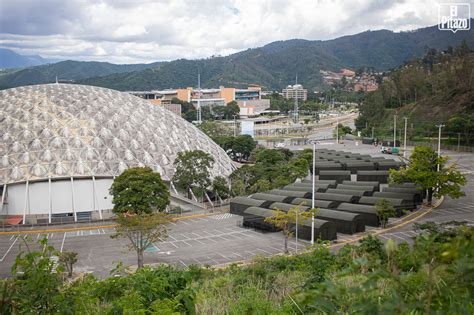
212	241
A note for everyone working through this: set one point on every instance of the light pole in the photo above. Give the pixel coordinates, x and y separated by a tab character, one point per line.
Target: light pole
394	130
439	141
337	129
296	233
373	133
405	138
312	199
459	140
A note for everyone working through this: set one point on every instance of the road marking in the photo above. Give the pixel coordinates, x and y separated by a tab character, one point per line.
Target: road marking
62	244
173	244
183	263
261	249
223	216
8	250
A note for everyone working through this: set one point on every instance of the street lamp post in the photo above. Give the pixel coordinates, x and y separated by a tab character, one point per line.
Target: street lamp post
337	129
439	141
405	138
296	233
312	199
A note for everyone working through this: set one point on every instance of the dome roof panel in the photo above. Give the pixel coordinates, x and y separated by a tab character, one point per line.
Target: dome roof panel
76	130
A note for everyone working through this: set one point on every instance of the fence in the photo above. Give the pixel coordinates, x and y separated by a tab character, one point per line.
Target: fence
434	145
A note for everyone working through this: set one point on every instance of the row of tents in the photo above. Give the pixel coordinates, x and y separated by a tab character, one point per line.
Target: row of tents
345	206
332	160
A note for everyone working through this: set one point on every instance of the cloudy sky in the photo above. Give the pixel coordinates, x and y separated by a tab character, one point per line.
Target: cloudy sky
132	31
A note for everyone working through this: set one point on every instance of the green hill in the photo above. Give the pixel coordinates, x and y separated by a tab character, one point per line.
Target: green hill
276	64
65	70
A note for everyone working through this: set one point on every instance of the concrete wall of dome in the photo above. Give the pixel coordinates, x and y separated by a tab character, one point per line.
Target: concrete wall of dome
64	131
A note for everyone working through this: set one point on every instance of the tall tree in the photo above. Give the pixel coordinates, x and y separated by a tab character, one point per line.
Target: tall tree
231	109
239	148
385	210
192	171
287	221
422	170
139	198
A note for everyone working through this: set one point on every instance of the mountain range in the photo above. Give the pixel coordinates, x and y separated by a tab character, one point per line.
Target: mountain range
272	66
10	60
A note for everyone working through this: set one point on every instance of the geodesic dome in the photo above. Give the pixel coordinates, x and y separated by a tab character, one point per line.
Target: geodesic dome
66	130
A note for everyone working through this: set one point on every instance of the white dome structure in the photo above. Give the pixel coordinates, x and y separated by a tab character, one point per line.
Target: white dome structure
63	144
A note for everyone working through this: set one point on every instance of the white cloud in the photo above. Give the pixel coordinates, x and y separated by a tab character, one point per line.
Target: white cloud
126	31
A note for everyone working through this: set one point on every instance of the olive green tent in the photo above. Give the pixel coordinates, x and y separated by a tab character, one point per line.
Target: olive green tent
239	204
328	204
346	222
368	212
339	176
374	176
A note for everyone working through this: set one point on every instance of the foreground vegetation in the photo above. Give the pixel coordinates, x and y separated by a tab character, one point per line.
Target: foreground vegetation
435	275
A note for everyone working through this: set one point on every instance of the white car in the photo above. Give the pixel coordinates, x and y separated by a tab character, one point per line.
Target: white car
280	145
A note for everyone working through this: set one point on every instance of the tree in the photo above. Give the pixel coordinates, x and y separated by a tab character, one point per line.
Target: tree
239	148
384	210
286	221
231	109
461	124
68	259
270	157
192	171
142	230
299	167
37	278
422	170
139	198
139	190
220	187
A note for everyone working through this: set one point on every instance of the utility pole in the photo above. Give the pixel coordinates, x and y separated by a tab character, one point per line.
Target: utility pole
295	110
395	130
439	141
337	129
313	181
373	134
405	138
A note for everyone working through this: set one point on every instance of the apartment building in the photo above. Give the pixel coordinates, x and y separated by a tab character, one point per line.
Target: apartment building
295	91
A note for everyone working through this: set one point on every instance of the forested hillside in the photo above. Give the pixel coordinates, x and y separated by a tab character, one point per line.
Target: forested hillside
437	88
275	65
272	66
66	70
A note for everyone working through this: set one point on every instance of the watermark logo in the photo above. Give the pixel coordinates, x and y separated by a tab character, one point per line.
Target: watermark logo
454	17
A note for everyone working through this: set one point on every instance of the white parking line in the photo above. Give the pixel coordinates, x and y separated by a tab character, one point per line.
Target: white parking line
187	243
261	249
8	250
182	262
237	255
172	243
62	244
